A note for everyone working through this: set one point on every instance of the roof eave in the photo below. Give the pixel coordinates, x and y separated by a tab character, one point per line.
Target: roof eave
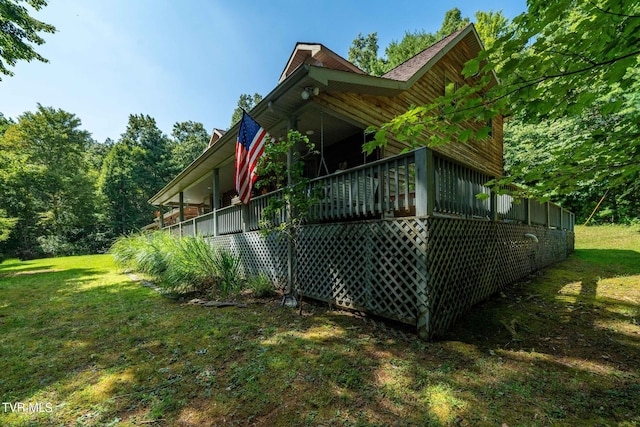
377	85
286	85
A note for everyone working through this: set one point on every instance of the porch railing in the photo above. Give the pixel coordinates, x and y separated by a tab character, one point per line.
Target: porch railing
378	188
416	183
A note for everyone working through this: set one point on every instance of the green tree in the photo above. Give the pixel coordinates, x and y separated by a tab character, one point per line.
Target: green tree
490	26
137	167
364	54
453	21
4	124
121	188
47	182
98	151
410	45
534	147
552	68
189	141
6	225
19	32
364	50
246	102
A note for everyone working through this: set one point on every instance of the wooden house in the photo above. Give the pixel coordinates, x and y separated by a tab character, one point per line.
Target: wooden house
399	234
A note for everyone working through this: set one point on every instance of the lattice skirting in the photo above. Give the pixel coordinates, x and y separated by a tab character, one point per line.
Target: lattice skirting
377	266
258	254
421	271
470	260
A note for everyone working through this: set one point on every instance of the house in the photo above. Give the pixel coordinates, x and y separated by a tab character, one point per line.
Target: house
399	234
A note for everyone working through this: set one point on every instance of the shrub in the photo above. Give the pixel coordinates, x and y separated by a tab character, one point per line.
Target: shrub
155	253
124	250
54	246
181	265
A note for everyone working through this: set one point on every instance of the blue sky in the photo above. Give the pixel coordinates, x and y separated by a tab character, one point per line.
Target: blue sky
179	60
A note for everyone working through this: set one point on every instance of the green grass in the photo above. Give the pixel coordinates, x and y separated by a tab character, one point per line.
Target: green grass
562	348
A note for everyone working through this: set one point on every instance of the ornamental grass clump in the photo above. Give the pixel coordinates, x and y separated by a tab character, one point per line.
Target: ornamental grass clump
187	264
261	286
192	266
148	253
228	271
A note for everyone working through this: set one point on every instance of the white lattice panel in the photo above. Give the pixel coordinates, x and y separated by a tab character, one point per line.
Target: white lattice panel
257	254
470	260
408	269
378	266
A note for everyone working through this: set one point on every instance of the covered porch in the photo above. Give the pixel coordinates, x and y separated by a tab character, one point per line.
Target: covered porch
418	183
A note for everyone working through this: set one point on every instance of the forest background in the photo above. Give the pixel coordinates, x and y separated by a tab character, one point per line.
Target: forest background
572	131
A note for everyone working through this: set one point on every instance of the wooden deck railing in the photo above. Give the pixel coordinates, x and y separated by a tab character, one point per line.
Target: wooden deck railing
416	183
371	190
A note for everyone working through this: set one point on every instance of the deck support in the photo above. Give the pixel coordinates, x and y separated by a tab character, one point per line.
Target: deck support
423	328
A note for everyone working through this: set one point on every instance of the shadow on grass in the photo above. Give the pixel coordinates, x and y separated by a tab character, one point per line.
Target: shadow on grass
576	323
106	350
43	326
12	267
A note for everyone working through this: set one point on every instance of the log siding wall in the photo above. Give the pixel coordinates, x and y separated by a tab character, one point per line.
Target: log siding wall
484	156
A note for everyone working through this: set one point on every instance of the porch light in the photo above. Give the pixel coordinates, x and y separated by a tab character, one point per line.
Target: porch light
308	92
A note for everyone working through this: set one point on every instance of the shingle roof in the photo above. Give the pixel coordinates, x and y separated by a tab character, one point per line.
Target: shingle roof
407	69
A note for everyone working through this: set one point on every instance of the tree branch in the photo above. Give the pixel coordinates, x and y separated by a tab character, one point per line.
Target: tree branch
541	79
609	12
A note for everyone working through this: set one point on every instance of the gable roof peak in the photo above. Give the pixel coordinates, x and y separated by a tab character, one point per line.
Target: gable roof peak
319	55
412	66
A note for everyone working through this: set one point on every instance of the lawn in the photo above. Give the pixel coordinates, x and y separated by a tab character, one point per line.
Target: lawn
84	345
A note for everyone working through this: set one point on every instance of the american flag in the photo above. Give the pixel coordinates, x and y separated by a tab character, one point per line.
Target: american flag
250	146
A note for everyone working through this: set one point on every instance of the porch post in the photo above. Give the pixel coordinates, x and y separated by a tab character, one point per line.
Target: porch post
547	222
425	182
181	214
215	205
423	282
161	217
293	124
493	203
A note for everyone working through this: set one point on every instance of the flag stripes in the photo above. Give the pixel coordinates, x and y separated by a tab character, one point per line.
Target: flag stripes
249	148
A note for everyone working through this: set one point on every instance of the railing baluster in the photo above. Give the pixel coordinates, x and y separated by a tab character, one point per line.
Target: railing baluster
406	184
347	201
387	187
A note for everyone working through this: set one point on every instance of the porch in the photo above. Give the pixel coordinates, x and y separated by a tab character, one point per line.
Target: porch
418	183
404	237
